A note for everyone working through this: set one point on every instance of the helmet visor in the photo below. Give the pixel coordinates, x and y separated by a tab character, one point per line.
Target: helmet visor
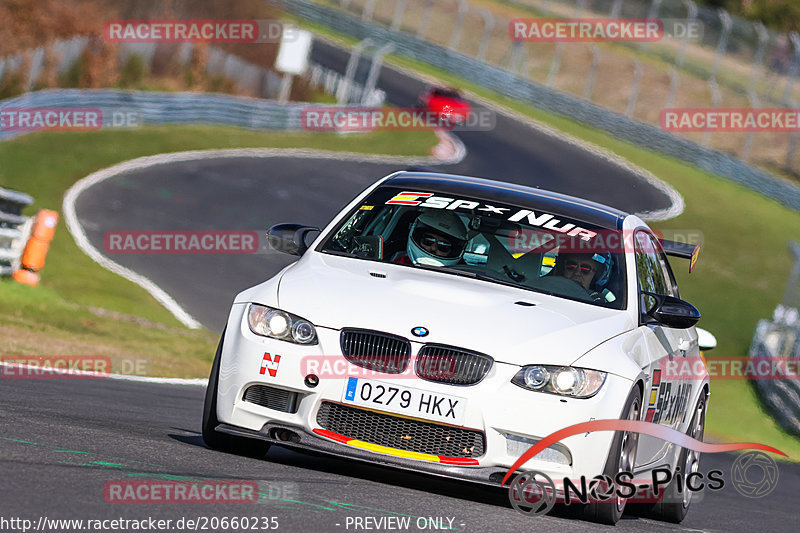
436	243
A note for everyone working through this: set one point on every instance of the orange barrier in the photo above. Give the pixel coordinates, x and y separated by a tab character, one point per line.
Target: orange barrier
33	258
44	225
35	253
26	277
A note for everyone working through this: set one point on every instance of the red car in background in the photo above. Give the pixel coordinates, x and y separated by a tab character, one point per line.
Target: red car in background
447	103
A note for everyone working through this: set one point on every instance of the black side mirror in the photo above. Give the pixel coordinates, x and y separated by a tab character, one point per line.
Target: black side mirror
289	238
671	312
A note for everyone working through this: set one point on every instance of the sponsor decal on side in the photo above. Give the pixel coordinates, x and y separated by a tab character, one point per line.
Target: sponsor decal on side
270	364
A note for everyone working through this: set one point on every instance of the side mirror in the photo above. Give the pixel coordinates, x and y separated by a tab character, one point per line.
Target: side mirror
672	312
289	238
706	340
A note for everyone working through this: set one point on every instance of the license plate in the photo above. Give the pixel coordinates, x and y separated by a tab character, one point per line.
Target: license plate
405	400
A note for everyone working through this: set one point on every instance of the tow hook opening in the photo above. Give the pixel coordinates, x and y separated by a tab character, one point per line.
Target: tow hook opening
284	435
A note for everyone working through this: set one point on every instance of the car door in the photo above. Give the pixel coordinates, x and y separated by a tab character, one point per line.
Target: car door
666	395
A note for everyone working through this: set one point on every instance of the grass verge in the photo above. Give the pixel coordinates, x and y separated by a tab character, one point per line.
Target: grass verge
742	270
80	308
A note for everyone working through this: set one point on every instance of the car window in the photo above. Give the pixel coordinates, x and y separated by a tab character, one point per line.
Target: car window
651	269
521	246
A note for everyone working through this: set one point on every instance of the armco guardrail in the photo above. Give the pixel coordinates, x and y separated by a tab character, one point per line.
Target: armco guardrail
14	229
165	108
780	338
510	84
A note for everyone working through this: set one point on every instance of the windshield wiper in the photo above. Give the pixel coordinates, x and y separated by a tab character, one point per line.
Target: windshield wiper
492	279
473	275
449	270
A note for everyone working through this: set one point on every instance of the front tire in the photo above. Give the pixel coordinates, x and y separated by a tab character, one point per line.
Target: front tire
621	458
222	441
674	506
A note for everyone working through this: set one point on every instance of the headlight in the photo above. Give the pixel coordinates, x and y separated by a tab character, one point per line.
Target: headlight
561	380
277	324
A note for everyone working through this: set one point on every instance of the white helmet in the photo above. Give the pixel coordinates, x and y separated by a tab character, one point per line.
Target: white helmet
443	223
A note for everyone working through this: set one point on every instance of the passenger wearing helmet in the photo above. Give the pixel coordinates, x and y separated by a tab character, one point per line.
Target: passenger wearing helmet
590	271
436	238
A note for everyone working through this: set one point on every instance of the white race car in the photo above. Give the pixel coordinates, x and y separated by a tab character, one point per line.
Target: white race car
445	324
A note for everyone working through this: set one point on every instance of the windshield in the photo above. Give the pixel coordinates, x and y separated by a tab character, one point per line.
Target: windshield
446	93
521	246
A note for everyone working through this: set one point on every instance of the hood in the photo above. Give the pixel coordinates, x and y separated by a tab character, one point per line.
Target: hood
511	325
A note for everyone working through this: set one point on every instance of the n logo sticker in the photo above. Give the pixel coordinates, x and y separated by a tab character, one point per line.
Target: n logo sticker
271	364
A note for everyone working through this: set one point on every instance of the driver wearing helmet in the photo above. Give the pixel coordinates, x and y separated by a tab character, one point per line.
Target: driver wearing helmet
436	238
591	271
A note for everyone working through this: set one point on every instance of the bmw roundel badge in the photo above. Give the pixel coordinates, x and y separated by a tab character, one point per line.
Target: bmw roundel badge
419	331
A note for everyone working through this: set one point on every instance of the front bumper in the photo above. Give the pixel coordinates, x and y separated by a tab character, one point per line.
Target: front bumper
298	439
503	412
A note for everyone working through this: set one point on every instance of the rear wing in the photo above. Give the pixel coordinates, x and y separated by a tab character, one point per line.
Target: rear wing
682	250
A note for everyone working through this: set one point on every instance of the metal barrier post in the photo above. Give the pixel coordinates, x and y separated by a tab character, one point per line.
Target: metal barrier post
399	11
788	96
674	80
555	66
426	18
589	87
727	24
374	70
488	27
463	7
635	86
369	10
752	95
716	95
793	69
343	93
651	14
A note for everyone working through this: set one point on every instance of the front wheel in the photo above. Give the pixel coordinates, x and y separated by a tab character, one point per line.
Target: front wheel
674	506
621	458
223	441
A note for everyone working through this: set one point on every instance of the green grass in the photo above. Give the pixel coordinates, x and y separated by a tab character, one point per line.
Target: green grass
56	317
742	270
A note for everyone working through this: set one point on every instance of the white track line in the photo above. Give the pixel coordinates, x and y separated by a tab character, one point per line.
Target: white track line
94	375
73	224
677	204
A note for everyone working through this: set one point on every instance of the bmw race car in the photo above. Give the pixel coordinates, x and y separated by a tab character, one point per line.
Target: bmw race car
445	324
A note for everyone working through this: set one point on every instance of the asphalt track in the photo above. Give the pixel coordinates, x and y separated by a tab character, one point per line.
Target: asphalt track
63	440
